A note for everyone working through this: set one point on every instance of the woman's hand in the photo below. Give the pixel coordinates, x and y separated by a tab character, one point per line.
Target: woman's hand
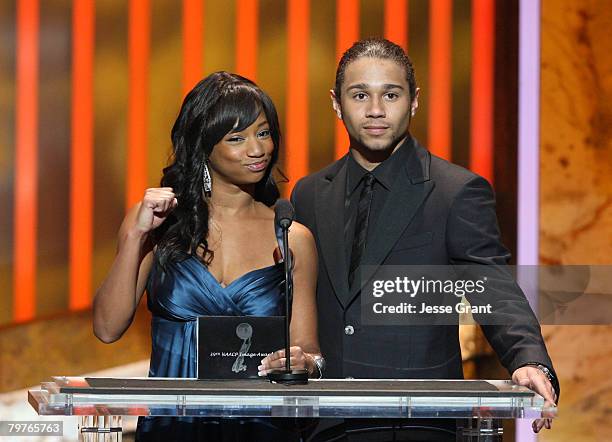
275	361
155	207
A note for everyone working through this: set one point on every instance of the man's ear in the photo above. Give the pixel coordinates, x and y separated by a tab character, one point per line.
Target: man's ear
415	102
335	104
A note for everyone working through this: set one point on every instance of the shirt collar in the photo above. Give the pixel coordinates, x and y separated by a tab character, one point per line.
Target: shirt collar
385	173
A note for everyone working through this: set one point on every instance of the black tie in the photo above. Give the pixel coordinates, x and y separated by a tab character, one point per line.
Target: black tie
361	225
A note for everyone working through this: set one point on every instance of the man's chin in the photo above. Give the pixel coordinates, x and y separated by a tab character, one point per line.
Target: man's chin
378	146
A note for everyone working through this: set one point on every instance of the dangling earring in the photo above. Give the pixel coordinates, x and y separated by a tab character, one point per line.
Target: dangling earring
206	179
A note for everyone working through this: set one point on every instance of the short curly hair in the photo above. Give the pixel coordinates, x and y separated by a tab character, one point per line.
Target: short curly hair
376	47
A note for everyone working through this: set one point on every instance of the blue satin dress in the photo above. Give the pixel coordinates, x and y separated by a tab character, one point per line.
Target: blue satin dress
176	297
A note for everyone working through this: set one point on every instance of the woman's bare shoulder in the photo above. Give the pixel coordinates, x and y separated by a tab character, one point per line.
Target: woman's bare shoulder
300	233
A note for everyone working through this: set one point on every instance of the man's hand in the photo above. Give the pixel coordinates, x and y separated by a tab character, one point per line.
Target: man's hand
535	379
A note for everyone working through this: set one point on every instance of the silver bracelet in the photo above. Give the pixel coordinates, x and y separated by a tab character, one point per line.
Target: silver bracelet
319	362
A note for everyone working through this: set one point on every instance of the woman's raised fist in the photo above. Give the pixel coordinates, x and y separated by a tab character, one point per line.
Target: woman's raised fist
155	207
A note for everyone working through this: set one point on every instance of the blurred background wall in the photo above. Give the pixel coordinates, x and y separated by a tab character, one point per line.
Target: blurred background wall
576	198
89	91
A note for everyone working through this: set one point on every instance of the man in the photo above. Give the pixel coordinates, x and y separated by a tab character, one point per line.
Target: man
390	202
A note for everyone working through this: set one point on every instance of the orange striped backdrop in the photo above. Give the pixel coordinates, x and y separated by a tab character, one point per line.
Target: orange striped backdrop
89	91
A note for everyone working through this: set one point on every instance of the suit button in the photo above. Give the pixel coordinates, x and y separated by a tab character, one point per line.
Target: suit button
349	330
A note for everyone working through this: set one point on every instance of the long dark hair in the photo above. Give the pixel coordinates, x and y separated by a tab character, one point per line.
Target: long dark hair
220	103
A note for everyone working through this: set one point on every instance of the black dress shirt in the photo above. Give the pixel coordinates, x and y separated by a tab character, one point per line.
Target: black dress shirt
384	174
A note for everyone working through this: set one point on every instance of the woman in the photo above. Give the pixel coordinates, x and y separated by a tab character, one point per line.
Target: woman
204	243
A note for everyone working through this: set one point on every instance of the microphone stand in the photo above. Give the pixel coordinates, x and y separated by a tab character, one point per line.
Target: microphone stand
287	376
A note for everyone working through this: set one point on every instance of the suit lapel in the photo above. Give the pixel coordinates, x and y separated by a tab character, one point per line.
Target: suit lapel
409	191
329	213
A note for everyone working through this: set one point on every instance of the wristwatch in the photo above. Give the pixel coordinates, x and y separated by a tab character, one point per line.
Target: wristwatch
320	364
546	371
543	368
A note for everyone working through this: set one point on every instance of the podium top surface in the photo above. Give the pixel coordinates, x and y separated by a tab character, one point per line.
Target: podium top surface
261	387
363	398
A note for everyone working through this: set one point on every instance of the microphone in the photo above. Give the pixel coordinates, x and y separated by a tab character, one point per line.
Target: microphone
283	217
283	213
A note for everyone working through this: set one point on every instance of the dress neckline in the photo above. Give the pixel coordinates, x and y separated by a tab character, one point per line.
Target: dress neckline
236	280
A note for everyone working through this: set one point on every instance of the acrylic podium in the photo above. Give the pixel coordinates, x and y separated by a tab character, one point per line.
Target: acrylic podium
100	402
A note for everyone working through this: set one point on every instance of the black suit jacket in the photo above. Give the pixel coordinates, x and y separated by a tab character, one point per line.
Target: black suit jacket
436	214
